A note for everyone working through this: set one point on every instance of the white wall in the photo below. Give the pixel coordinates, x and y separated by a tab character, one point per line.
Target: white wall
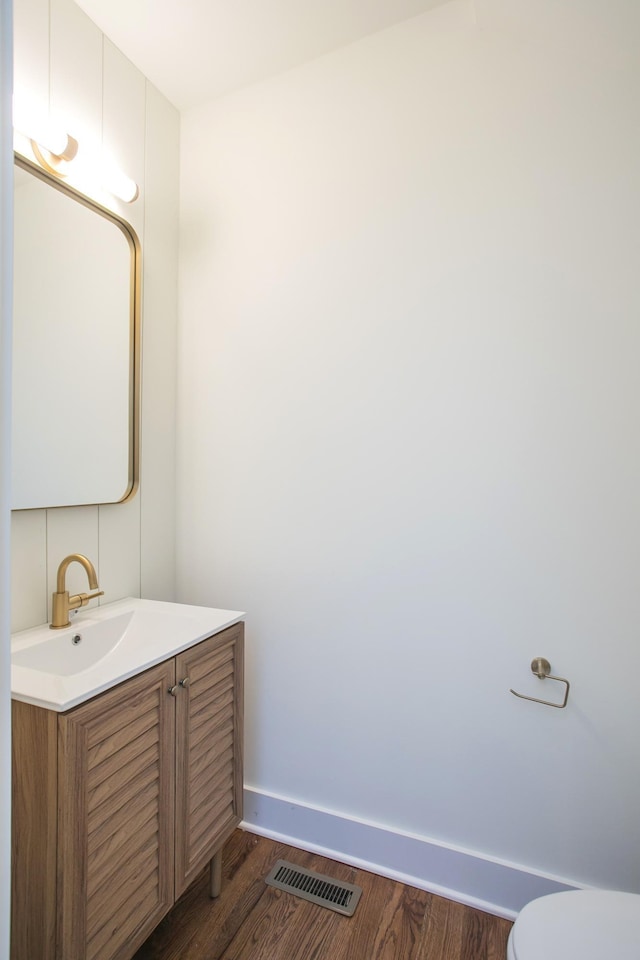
6	194
408	426
64	61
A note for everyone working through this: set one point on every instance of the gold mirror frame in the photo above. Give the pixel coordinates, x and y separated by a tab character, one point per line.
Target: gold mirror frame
135	283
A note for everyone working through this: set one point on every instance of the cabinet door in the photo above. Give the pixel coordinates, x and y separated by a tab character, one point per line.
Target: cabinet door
208	750
116	768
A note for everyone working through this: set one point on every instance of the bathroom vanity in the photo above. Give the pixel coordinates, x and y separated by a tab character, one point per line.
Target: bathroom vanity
120	801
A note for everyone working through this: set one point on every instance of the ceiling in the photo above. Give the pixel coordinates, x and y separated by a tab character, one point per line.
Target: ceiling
196	50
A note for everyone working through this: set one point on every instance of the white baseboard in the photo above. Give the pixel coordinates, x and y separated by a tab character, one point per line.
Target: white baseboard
467	877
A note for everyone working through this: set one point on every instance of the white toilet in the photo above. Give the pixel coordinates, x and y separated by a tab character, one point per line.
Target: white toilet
578	925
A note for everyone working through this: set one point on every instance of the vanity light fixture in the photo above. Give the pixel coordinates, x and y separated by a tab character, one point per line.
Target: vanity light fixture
57	153
45	136
118	183
56	143
91	170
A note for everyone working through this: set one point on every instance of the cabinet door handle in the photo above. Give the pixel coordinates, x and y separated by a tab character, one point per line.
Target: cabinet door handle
173	690
184	682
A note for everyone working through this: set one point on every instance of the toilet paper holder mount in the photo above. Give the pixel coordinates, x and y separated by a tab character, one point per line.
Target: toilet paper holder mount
542	669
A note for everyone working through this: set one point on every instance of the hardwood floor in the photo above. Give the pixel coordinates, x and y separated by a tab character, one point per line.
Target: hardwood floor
253	921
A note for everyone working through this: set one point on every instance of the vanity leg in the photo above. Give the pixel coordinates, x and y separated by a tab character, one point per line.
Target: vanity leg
215	868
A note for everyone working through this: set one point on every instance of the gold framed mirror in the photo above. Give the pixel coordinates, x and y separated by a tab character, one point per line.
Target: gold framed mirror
76	347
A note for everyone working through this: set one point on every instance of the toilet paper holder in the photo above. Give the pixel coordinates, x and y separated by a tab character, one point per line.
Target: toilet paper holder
542	669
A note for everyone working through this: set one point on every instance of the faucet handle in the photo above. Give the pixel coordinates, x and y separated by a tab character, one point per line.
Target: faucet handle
82	599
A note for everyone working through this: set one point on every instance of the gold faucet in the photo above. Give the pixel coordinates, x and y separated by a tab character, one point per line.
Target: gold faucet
61	602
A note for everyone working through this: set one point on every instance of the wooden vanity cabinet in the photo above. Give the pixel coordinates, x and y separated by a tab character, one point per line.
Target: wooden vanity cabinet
209	758
120	802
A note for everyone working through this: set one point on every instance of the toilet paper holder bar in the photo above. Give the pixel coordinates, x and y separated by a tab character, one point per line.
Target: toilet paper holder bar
542	669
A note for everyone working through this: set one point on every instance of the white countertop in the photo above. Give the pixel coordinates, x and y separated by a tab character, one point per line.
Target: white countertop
148	632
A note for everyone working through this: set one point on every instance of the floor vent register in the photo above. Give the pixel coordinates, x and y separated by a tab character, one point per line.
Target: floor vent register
325	891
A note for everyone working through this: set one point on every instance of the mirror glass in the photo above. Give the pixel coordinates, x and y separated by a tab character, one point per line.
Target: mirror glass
75	347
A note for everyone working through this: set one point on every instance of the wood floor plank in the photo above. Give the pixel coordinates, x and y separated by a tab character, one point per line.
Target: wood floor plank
201	927
452	931
441	931
387	921
482	940
253	921
240	899
284	925
400	923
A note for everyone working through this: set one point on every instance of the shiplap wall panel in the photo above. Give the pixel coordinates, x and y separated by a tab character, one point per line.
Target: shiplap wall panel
31	50
119	528
104	97
71	530
76	71
28	567
160	292
123	130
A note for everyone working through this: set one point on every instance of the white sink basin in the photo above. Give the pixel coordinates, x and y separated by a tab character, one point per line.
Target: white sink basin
58	669
74	649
